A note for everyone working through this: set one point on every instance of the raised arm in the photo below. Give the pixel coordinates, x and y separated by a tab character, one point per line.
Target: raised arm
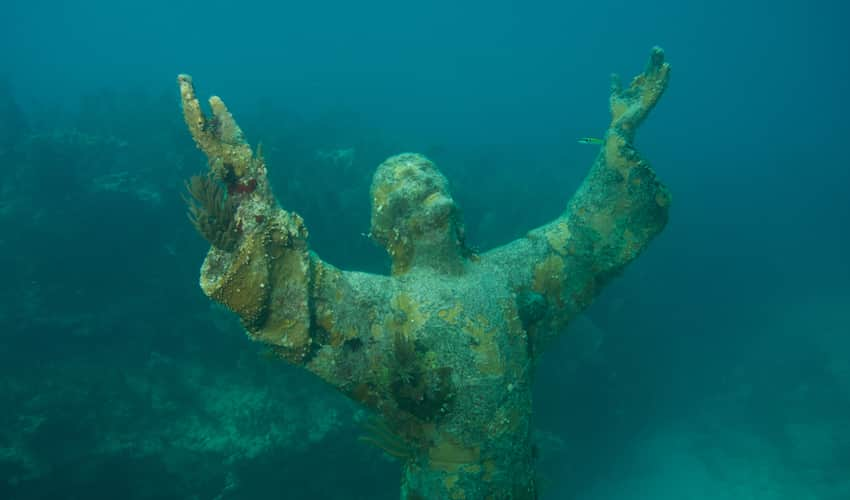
260	267
557	269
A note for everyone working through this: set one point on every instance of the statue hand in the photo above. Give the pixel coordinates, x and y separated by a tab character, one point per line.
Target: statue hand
630	106
235	202
259	264
220	138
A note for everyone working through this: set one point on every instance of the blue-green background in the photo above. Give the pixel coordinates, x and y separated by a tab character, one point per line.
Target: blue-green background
723	370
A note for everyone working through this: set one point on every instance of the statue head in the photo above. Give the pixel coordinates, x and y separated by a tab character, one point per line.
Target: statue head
414	215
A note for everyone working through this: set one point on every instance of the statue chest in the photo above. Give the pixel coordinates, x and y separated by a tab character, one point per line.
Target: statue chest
468	322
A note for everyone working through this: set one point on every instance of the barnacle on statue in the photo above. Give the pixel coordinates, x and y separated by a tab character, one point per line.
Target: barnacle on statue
212	212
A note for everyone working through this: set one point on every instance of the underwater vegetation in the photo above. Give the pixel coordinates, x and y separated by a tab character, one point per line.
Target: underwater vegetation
422	391
212	212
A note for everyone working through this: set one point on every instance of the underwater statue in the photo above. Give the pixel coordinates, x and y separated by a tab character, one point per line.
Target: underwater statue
443	349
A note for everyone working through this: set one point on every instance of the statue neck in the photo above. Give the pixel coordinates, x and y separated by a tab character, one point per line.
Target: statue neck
437	251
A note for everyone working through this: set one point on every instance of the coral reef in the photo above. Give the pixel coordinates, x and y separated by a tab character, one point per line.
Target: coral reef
442	350
181	417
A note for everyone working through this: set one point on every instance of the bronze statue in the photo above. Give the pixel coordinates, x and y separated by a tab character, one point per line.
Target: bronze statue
443	349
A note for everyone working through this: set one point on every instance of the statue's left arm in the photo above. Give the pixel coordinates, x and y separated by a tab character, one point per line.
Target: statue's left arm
557	269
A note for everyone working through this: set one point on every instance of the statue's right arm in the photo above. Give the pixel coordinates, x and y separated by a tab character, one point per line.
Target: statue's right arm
260	267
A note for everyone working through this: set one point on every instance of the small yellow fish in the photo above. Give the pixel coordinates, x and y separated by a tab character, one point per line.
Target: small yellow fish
591	140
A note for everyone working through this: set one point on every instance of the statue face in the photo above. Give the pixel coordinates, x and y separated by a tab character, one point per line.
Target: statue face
410	201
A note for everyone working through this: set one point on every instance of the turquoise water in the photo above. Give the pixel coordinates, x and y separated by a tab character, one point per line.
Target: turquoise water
716	367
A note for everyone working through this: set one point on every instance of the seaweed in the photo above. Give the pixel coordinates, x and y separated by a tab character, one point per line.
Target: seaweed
379	434
426	393
212	212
